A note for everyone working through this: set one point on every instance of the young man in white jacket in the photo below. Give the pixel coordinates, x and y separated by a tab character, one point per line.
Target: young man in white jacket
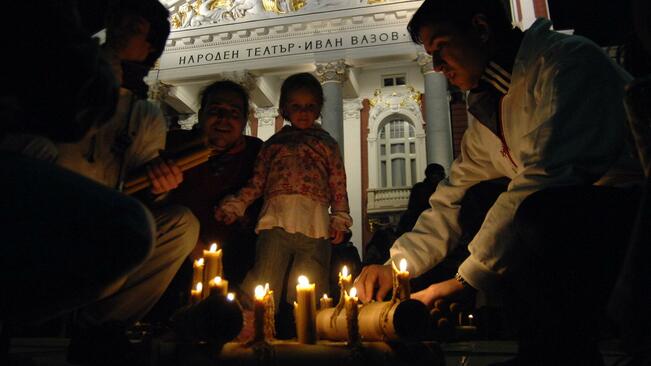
548	113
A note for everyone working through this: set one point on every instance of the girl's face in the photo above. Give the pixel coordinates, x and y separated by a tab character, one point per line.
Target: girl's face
302	109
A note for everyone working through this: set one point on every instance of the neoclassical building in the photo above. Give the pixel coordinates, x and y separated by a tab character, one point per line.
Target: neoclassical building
390	113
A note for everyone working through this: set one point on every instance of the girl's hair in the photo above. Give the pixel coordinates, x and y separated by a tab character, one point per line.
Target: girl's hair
302	81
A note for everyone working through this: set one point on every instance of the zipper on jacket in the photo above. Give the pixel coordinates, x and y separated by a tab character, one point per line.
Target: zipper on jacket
505	148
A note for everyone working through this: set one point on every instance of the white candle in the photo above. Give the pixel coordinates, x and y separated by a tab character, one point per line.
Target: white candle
402	280
305	311
197	275
218	286
195	294
345	279
325	302
213	263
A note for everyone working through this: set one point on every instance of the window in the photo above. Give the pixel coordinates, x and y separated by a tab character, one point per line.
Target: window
394	80
397	153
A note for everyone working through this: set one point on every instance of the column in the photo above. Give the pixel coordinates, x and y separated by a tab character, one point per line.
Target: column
332	76
352	122
438	128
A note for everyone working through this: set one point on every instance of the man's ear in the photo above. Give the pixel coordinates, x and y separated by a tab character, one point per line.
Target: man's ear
482	27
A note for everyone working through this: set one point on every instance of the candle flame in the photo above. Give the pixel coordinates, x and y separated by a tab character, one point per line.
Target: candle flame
230	296
325	296
470	316
303	281
199	287
344	271
403	265
213	247
353	292
259	292
217	280
199	262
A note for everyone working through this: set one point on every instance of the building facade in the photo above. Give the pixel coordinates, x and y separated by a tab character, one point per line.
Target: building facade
390	113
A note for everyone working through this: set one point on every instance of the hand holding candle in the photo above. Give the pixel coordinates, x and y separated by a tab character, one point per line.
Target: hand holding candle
305	311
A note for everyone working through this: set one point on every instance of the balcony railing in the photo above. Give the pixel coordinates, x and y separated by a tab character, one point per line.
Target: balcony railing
387	199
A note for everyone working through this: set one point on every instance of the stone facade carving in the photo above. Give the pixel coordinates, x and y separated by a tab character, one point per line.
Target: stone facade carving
425	62
266	116
331	71
352	108
187	123
195	13
403	99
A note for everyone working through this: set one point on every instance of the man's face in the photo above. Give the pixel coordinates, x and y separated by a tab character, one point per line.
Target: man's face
460	56
223	119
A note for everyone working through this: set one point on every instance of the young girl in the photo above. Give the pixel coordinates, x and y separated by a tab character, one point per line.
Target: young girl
300	172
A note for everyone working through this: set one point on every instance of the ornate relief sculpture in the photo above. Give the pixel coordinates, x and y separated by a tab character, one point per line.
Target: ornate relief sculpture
194	13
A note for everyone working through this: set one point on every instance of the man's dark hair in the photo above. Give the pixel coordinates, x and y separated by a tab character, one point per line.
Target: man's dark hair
435	169
122	21
459	13
302	81
226	86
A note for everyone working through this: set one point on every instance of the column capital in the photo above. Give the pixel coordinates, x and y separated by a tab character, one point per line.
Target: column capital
157	90
425	62
266	115
352	108
333	71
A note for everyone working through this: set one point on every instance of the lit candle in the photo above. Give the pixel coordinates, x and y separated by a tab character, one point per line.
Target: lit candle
218	286
325	302
352	312
213	258
403	290
259	313
198	271
195	294
471	320
305	311
230	297
345	279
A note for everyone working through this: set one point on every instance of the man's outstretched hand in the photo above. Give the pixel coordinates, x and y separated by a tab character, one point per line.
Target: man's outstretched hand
442	290
374	280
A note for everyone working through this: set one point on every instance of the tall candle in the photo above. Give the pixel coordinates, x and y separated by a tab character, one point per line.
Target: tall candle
259	306
195	293
352	313
197	267
325	302
305	311
402	280
218	286
213	260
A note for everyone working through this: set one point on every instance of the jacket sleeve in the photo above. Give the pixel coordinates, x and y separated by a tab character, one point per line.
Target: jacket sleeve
236	204
151	134
437	228
577	133
340	211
